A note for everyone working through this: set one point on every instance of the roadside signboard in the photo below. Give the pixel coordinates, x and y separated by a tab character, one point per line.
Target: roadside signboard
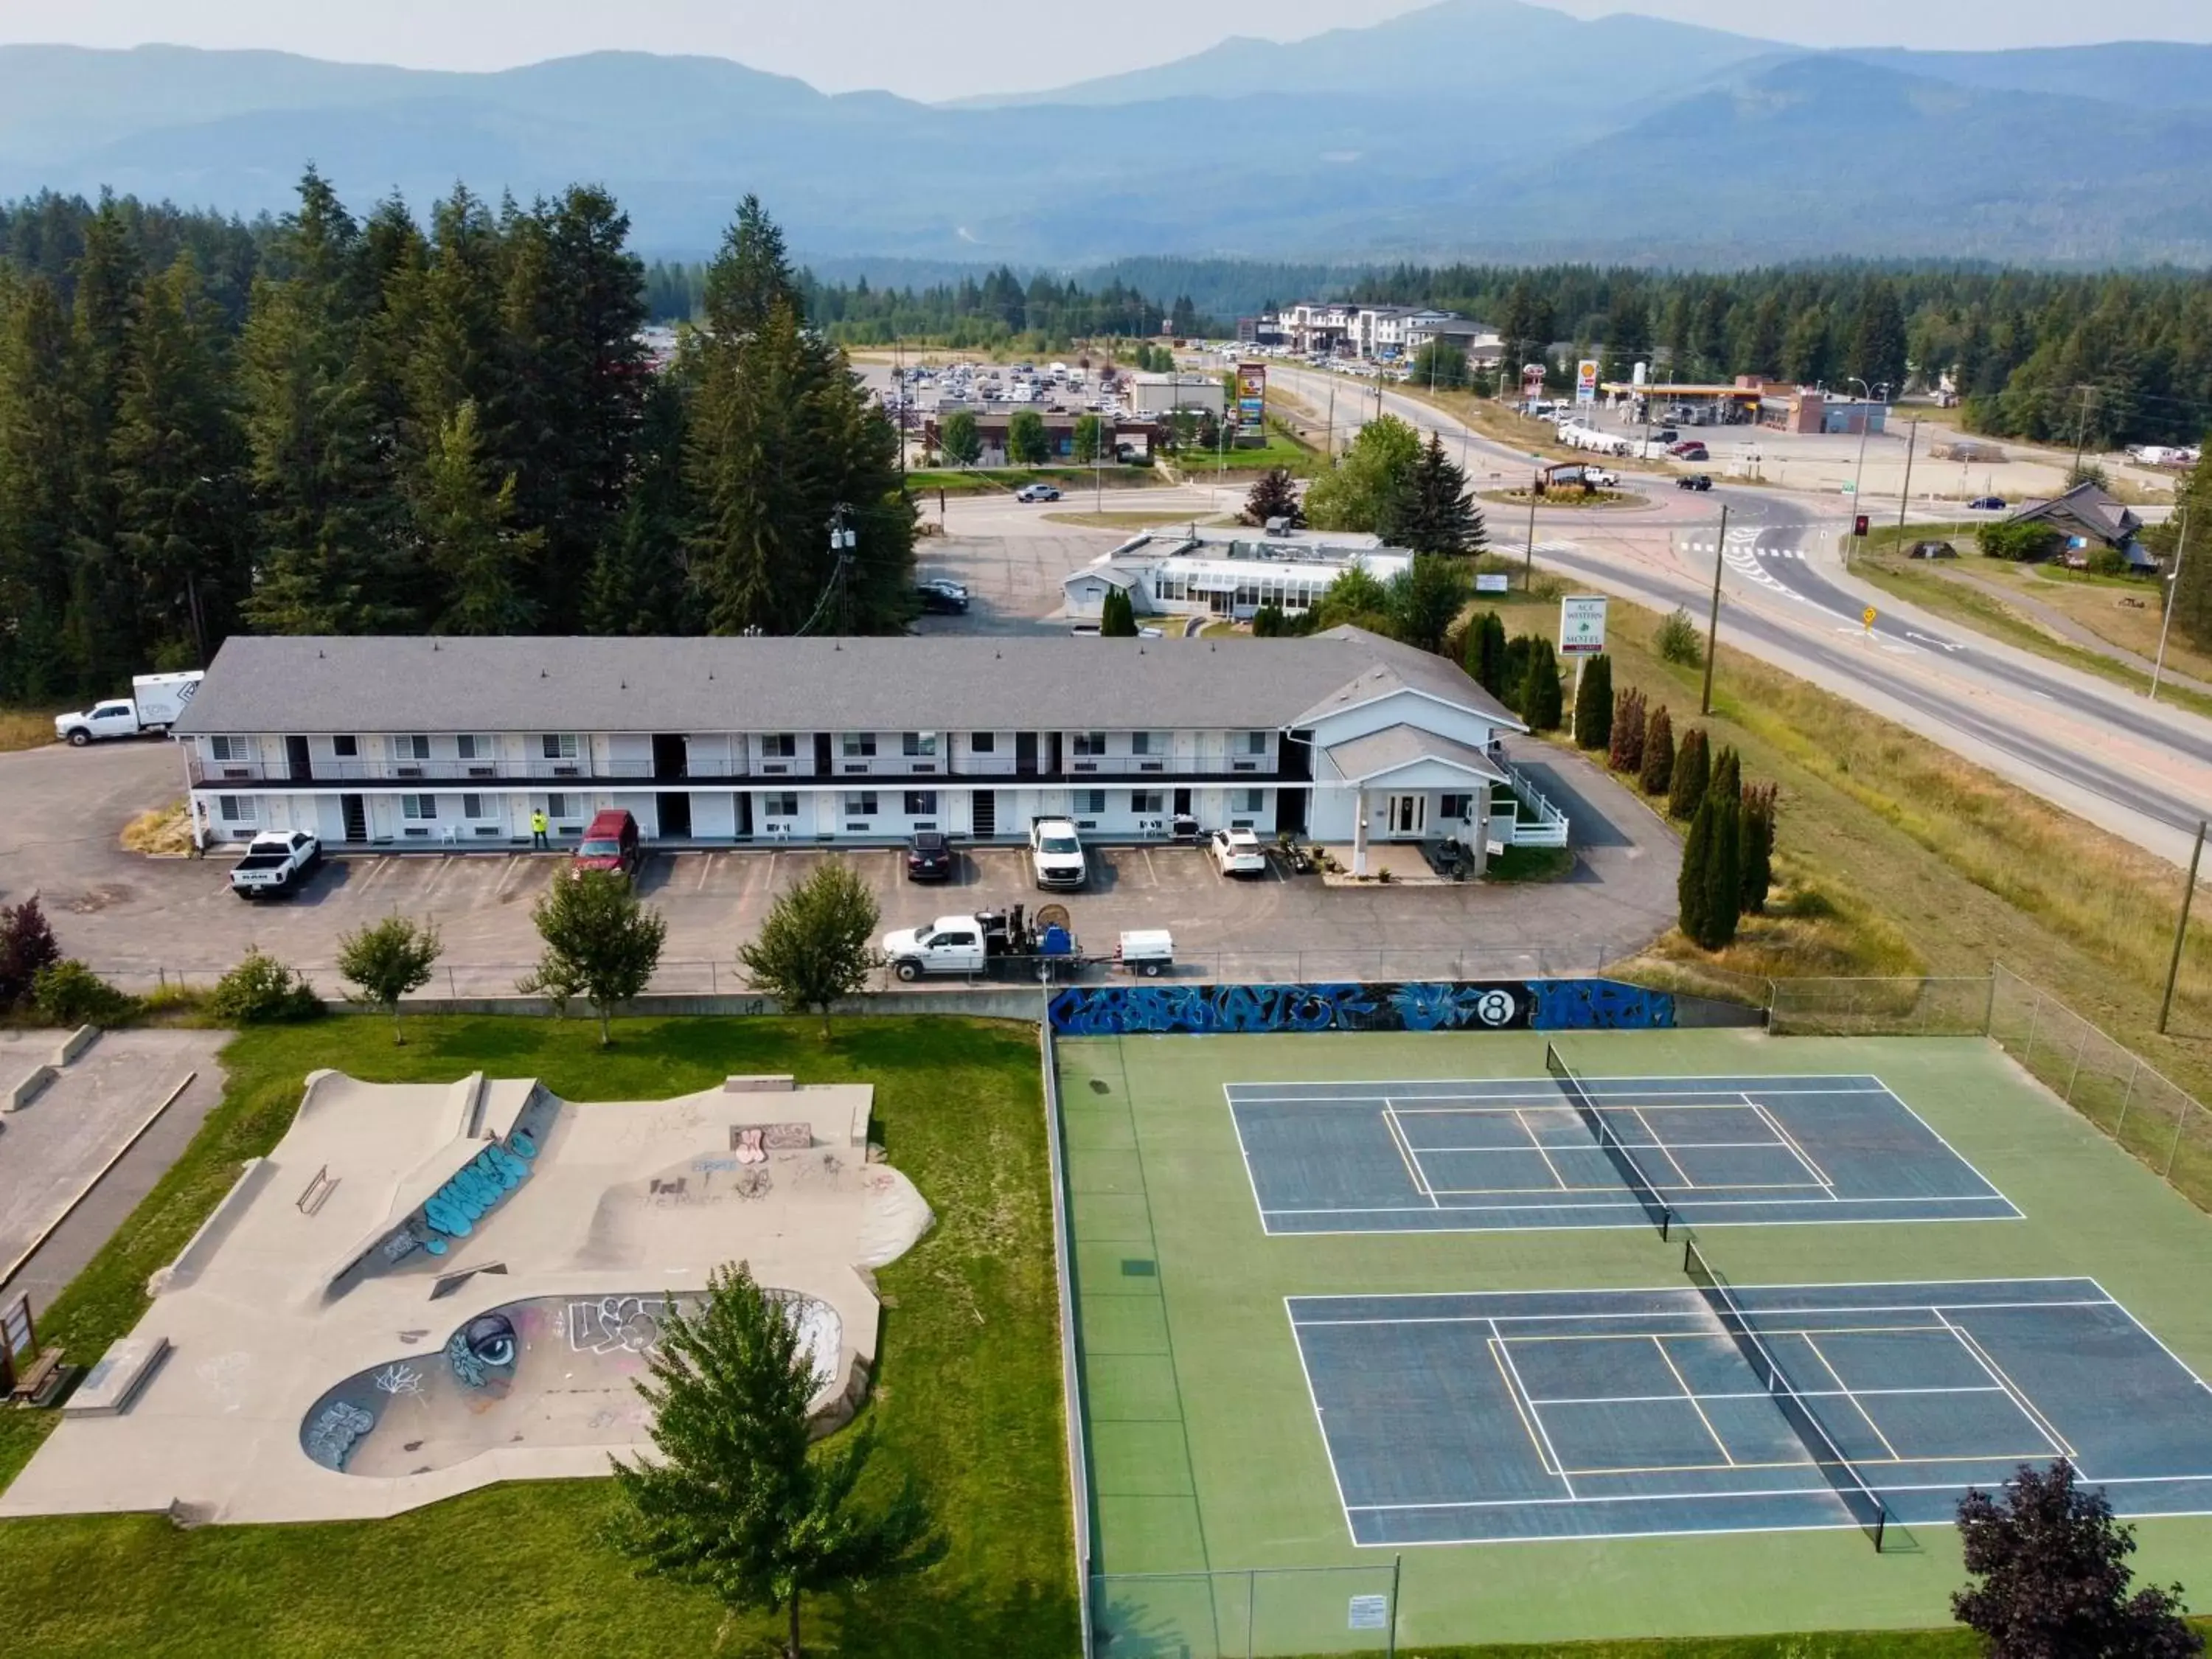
1492	581
1581	624
1531	380
1586	380
1252	396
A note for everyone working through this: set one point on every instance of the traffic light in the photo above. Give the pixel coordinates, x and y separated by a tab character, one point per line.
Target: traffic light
1859	526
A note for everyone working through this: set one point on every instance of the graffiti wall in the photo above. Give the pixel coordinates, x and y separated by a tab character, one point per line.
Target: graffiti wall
1541	1005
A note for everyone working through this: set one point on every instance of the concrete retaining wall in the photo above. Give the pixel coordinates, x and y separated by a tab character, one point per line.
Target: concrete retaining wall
29	1088
204	1242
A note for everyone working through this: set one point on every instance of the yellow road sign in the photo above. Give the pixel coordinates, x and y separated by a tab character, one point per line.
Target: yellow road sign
1866	617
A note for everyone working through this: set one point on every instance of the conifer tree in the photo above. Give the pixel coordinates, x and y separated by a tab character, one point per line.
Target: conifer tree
1727	780
1656	775
1625	751
1686	789
1756	859
1724	871
1541	699
1594	705
1693	897
1431	510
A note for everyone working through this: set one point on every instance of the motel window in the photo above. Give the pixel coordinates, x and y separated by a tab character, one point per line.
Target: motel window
346	748
418	806
414	747
472	748
473	806
556	806
1090	743
559	745
860	745
919	746
236	809
1091	800
861	804
779	745
1145	800
1140	743
982	743
1454	807
921	803
1249	800
1255	743
230	749
783	805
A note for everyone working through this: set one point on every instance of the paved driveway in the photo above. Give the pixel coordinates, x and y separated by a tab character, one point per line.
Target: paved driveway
142	919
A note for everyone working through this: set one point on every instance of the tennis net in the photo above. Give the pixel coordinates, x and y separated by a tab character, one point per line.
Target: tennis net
1571	1085
1862	1500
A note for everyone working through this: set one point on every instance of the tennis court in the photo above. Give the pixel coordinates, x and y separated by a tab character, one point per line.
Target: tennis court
1467	1156
1599	1413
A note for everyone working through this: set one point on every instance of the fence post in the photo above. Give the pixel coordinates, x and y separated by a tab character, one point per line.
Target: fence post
713	980
2180	1120
2072	1075
2034	1017
1397	1563
2128	1094
1251	1607
1990	1006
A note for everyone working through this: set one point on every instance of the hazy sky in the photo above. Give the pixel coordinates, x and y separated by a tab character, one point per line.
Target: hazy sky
935	52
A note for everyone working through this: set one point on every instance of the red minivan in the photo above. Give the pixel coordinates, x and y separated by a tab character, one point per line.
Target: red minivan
611	843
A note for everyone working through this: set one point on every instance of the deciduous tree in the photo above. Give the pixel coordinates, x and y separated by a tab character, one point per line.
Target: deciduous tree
385	960
817	944
1274	494
601	943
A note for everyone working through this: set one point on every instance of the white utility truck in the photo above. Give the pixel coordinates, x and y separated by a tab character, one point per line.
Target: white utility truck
156	702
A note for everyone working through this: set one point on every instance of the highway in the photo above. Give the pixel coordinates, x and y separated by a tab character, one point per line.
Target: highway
2142	771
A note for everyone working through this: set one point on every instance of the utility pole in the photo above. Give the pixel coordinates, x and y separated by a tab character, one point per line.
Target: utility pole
2172	593
1528	576
2181	929
1328	433
1904	496
2081	439
1858	479
1713	620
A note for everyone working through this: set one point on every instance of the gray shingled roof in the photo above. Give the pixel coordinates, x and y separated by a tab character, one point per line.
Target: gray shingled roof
1397	746
932	682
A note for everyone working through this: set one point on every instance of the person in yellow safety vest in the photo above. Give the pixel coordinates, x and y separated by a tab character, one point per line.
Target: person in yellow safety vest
537	832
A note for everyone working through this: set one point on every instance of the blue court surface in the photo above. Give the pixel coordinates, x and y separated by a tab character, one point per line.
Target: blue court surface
1489	1418
1462	1156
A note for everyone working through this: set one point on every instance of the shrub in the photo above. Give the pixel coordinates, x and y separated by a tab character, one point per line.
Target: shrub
27	945
1677	639
2022	543
1760	801
2108	562
1541	704
69	994
1657	772
263	991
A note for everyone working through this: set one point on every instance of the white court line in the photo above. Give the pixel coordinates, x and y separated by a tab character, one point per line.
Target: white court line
1651	1147
2042	1424
2189	1370
1826	1208
1559	1463
1721	1393
1690	1395
1660	1143
1327	1452
1244	1152
1405	1152
1865	1416
1789	1143
1558	1180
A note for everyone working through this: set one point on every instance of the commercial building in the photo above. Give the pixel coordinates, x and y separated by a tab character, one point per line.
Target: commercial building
1377	332
1802	409
454	744
1134	434
1169	394
1216	572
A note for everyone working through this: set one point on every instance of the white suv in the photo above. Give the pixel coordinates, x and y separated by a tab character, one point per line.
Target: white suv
1056	854
1236	853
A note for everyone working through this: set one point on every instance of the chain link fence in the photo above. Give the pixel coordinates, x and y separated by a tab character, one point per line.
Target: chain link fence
1245	1613
2109	1084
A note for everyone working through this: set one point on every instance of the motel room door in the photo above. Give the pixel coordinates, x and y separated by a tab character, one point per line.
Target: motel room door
1407	817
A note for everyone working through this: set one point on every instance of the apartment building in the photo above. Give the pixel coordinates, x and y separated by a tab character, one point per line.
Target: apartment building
454	744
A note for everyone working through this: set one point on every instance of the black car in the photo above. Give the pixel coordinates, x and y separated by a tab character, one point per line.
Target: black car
1932	551
1694	481
942	599
928	856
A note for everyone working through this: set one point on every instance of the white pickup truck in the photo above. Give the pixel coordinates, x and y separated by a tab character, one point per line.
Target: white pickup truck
951	945
1056	854
156	702
276	862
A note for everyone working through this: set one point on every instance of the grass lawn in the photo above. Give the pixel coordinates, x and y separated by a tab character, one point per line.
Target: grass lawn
964	481
1565	498
1897	857
968	1393
1133	519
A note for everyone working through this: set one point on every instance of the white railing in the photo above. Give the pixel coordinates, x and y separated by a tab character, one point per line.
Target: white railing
1550	828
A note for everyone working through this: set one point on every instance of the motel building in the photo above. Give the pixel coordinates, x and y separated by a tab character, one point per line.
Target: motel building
450	744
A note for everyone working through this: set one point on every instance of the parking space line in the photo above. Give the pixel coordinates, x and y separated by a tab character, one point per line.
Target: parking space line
706	869
514	865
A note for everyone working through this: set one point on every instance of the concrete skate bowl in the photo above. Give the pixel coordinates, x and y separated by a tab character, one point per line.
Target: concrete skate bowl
550	1371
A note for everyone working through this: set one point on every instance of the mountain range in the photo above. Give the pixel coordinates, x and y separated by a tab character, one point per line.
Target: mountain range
1485	128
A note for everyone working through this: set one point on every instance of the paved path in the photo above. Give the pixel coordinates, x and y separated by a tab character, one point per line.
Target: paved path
2068	629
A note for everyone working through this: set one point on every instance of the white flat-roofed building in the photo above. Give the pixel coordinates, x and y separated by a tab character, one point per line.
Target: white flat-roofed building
1215	572
454	744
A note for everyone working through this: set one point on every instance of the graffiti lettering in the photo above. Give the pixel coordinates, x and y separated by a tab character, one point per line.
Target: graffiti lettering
330	1438
629	1323
1538	1005
456	1207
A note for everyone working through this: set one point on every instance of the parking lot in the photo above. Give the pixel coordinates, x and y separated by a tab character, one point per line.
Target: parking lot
140	920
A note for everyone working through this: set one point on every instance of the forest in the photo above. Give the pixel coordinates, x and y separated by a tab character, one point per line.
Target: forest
333	424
